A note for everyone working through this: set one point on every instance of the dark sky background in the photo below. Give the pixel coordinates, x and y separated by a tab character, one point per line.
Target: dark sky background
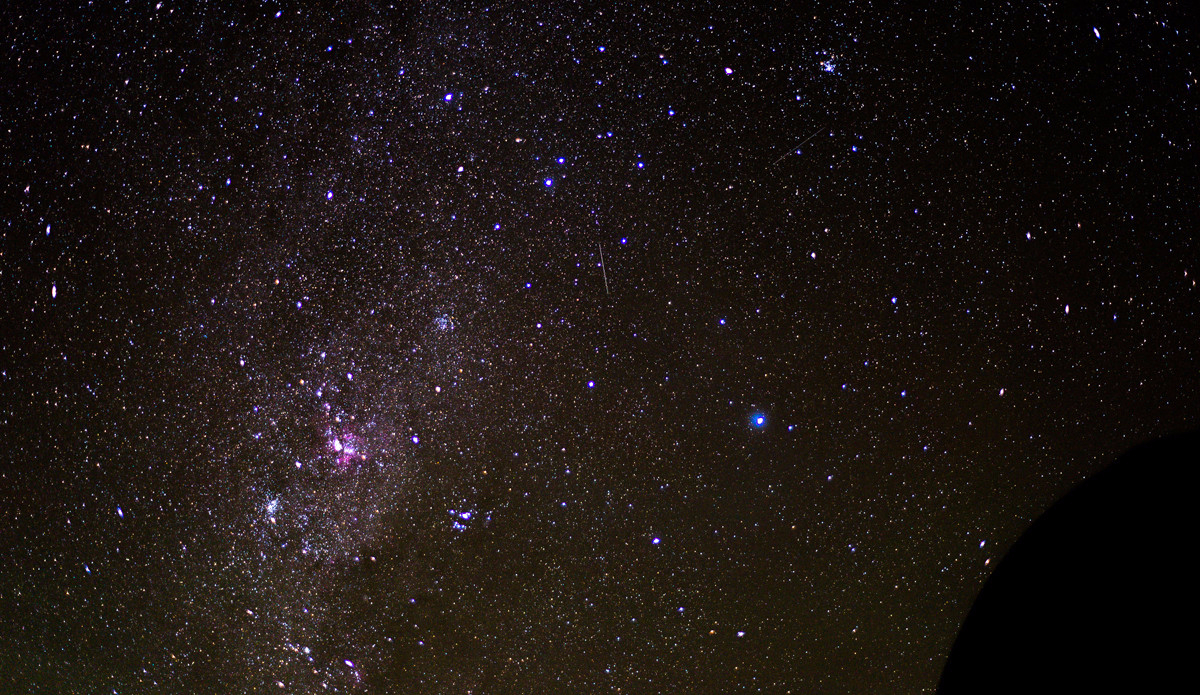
313	379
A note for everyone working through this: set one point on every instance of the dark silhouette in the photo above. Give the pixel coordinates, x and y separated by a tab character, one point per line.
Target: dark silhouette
1096	595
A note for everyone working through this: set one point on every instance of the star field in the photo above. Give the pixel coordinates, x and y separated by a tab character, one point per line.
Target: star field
549	347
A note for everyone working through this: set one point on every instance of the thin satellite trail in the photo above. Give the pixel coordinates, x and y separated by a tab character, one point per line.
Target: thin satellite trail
785	155
603	272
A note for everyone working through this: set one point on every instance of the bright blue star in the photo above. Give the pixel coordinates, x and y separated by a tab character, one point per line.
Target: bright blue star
758	420
549	182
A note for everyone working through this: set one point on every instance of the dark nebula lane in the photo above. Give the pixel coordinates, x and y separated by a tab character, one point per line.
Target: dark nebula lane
456	347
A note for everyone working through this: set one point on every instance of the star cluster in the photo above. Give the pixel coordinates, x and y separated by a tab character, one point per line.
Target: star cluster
548	347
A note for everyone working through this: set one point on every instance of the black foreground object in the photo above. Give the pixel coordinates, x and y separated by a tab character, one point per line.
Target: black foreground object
1099	594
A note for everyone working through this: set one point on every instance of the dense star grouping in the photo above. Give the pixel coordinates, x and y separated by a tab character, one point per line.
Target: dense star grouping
541	347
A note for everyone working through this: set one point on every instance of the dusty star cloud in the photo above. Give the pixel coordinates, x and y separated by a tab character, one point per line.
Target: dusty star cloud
533	347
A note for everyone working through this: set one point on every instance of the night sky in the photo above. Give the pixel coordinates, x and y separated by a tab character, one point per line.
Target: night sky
551	347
